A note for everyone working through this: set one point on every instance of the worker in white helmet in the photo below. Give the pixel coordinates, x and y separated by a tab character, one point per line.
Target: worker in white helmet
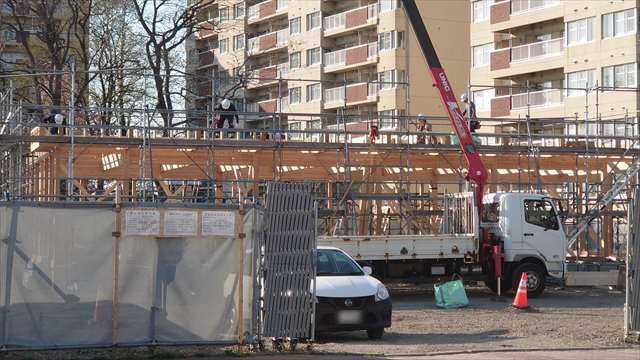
57	119
470	113
424	127
225	111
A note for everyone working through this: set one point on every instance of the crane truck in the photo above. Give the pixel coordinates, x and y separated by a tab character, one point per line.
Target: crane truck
493	237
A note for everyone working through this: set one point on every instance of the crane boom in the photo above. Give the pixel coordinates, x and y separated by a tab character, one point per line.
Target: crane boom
476	171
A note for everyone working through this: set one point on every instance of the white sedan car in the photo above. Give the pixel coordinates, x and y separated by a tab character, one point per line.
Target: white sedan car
348	298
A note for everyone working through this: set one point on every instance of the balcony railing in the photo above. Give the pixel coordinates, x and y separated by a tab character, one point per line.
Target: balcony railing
268	74
537	50
339	21
268	106
337	94
262	42
339	58
543	98
522	6
253	11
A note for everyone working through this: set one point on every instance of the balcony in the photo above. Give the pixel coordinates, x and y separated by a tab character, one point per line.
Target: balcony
366	15
537	50
204	88
269	106
505	14
266	9
207	28
267	42
351	56
522	59
524	6
543	98
355	93
208	57
268	75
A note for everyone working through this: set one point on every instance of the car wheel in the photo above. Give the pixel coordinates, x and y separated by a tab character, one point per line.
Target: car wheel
536	279
375	334
505	285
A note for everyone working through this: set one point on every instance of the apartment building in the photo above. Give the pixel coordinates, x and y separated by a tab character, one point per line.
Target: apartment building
326	57
555	59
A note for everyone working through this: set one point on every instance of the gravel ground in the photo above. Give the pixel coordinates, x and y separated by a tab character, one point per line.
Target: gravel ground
574	317
569	318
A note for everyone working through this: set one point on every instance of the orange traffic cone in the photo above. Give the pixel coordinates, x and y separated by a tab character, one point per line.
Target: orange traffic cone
520	301
101	312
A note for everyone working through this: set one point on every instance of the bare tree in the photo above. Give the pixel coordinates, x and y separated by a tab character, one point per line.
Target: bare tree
53	34
115	59
165	24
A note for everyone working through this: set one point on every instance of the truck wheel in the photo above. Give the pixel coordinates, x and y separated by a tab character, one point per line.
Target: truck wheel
536	279
505	285
375	334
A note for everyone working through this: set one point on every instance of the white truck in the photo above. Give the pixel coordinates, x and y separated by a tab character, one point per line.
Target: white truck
519	232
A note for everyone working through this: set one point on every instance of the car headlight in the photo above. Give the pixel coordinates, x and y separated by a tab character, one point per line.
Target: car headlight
382	293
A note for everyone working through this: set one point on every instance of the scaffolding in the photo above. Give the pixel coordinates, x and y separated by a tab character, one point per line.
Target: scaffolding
371	182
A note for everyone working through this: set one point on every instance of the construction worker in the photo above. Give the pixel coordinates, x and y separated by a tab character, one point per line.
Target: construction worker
424	127
470	113
228	111
55	119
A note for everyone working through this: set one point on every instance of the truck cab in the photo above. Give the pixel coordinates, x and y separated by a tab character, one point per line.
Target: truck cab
532	235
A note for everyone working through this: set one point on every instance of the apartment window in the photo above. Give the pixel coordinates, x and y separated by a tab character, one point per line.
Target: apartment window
294	26
482	99
581	31
401	39
387	119
9	61
391	79
238	71
619	23
238	10
294	126
314	92
294	96
401	78
224	15
224	46
314	20
386	40
388	5
314	56
577	81
482	54
238	42
620	76
481	10
294	61
9	34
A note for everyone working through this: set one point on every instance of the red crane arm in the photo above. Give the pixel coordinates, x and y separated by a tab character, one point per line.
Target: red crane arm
476	171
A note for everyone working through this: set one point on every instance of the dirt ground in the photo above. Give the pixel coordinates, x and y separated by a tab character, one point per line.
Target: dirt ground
569	318
558	319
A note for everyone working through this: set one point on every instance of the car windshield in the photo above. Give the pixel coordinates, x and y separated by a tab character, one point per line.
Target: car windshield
336	263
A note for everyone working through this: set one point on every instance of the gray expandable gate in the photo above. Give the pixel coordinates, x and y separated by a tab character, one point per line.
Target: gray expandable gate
289	247
632	306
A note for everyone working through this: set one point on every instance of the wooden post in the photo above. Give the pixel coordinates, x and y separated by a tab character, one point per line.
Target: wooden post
241	236
116	265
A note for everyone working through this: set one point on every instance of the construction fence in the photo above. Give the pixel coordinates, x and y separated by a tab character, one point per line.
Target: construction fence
92	275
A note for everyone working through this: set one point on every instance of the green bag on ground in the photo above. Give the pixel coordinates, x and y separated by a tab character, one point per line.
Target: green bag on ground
451	294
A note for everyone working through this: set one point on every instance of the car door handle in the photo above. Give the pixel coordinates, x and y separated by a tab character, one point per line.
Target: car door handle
528	234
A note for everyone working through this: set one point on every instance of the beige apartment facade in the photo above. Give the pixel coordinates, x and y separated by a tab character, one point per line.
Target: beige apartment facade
359	58
555	59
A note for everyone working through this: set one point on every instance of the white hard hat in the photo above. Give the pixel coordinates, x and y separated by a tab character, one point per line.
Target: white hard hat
226	103
422	117
464	97
58	119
